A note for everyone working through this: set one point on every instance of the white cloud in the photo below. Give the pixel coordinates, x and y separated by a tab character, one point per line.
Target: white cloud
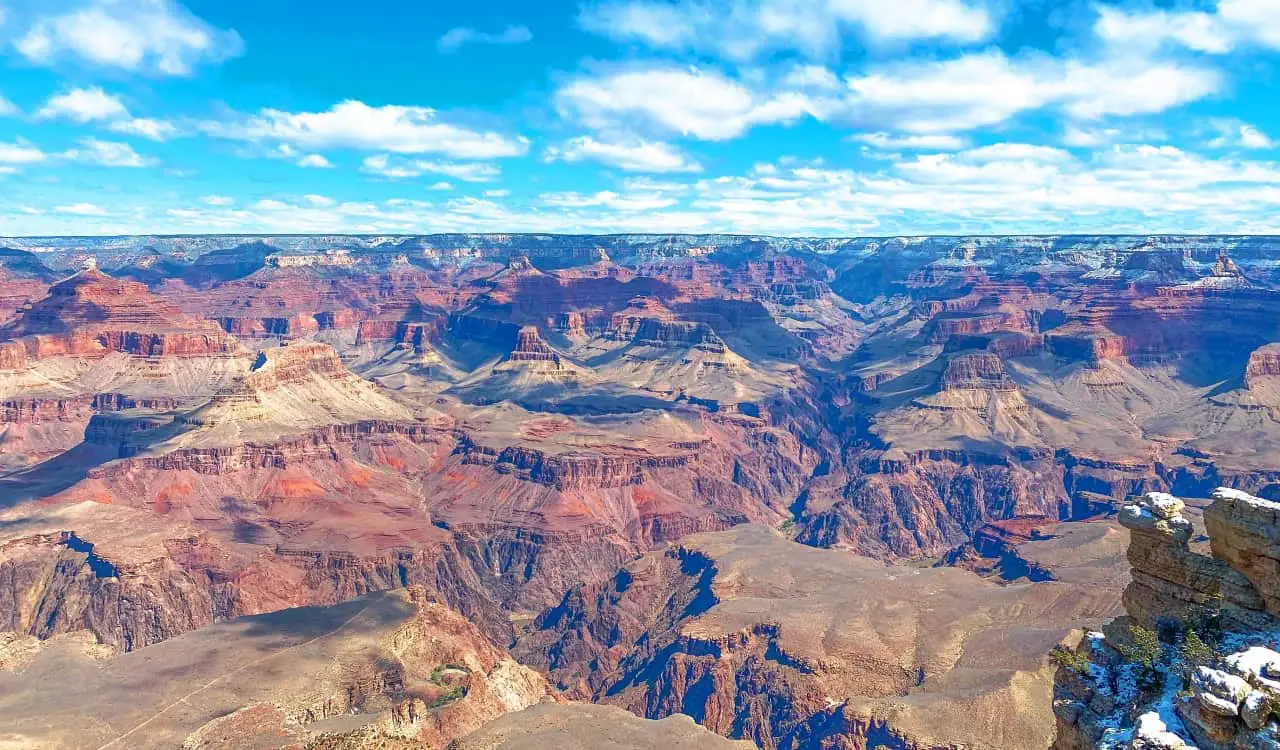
441	186
152	36
316	161
146	127
1251	137
218	200
1196	30
744	29
7	108
107	154
81	209
706	105
608	199
20	152
356	125
988	88
84	105
1231	24
384	165
1236	134
453	39
889	142
631	156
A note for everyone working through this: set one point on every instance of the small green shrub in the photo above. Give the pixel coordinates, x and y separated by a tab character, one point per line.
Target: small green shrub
1194	651
1069	658
453	694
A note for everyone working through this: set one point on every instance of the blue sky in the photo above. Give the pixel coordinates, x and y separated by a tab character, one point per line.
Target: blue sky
792	117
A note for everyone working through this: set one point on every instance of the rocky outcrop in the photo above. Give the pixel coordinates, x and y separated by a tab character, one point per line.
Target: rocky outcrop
1171	580
1244	532
1193	664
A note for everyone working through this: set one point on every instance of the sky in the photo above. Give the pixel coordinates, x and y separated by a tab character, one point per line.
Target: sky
782	117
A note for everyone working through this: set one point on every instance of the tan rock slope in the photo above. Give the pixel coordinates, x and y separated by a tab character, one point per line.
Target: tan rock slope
391	670
758	637
583	727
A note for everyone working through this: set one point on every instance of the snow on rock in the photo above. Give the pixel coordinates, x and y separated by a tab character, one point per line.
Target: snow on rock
1163	505
1151	733
1218	691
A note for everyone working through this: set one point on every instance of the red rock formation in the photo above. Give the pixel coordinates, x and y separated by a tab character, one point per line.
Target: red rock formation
531	348
983	370
91	314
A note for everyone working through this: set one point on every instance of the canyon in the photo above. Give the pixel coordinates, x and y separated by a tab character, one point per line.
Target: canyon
828	493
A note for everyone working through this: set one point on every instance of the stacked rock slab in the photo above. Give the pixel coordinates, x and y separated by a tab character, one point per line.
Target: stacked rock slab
1224	696
1171	581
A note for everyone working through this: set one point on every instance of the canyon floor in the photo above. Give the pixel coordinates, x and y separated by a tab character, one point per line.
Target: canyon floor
483	490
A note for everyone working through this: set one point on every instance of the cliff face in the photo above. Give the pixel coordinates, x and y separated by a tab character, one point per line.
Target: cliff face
91	314
1193	664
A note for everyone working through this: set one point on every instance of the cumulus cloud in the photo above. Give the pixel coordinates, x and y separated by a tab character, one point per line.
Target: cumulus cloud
917	97
608	199
454	39
702	104
145	127
20	153
107	154
92	104
81	209
745	29
1237	134
1231	24
356	125
159	37
315	161
84	105
632	155
989	88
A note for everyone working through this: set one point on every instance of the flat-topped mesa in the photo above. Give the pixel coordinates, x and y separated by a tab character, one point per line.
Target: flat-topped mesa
1173	581
92	314
624	325
290	390
678	333
977	371
295	363
1263	367
531	348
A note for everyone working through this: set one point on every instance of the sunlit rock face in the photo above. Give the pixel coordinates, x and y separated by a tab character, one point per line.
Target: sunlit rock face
1193	663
